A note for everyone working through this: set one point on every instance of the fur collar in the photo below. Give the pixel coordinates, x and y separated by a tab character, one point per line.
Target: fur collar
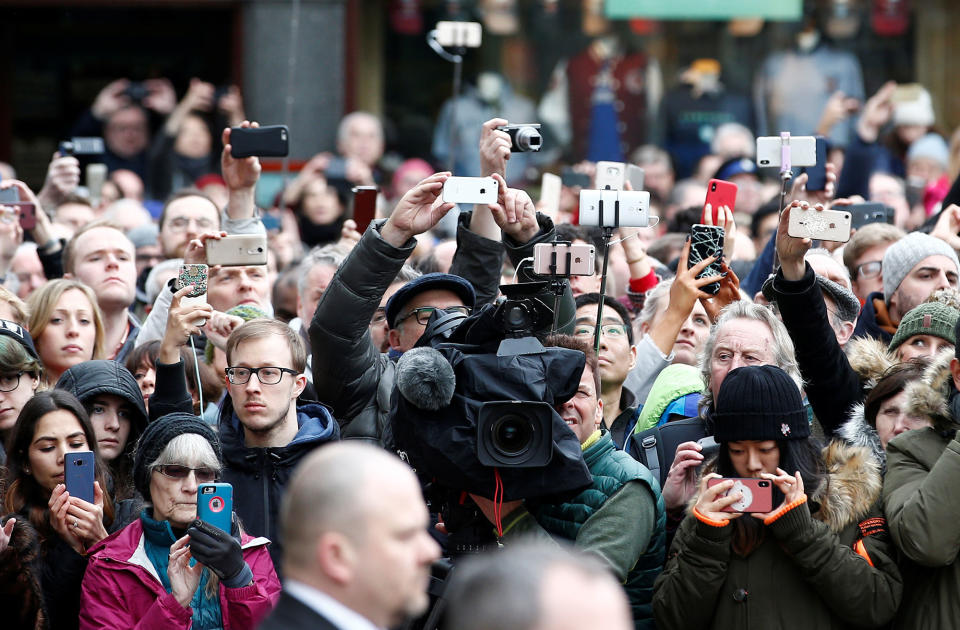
870	359
930	395
851	487
858	432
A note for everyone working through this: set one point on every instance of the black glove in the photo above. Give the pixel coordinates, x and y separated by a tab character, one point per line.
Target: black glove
215	548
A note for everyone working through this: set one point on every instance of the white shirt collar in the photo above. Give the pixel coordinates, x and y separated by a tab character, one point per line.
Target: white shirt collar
336	613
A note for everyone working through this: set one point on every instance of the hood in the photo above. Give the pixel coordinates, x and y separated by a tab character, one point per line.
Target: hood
674	382
316	423
851	488
857	432
931	395
91	378
870	359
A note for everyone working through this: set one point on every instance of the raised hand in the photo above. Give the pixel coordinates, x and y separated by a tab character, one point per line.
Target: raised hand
417	211
239	173
790	485
111	99
87	518
494	148
712	502
514	212
681	482
877	112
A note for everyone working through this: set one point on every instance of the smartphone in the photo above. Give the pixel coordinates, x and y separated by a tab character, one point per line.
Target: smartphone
719	194
9	196
269	141
195	275
709	447
635	176
757	494
802	151
616	208
215	505
364	208
824	225
707	241
863	213
459	34
906	93
81	146
817	174
336	169
550	188
28	215
610	175
467	190
564	259
237	250
572	179
78	474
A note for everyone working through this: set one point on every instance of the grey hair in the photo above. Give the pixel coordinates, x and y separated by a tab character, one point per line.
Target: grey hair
346	121
822	251
406	274
153	286
784	353
503	590
331	255
188	449
733	129
653	300
650	154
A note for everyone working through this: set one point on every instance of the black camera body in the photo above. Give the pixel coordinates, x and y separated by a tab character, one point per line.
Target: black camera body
137	91
81	146
524	137
514	433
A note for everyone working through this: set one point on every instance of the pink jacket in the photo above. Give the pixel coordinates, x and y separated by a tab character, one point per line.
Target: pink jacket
121	588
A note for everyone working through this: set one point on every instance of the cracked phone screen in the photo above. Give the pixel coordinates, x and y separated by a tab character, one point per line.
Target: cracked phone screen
707	241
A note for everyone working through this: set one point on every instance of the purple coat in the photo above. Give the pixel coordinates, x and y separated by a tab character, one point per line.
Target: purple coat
121	588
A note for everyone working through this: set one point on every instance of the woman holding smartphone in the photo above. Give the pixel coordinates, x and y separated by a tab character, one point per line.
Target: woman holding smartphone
53	530
143	576
818	561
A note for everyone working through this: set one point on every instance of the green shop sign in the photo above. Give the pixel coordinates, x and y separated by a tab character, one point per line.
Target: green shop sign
704	9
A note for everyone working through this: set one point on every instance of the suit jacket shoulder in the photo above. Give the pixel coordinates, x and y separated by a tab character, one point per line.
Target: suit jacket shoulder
292	614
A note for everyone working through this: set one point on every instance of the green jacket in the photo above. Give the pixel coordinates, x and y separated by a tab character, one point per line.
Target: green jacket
921	497
621	518
807	572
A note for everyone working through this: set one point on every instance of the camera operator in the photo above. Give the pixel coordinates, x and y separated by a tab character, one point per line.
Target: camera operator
349	372
621	517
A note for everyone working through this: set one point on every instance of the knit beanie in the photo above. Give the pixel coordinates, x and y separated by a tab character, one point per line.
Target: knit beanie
759	402
931	146
919	111
155	438
904	255
930	318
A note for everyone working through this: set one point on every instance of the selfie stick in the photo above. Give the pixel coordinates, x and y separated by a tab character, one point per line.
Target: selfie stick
786	173
457	60
607	235
556	282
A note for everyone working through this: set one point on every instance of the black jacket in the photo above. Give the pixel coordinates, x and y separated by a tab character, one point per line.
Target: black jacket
292	614
867	325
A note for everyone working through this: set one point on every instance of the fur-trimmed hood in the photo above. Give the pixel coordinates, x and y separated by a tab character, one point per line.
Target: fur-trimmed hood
851	487
858	432
870	359
931	395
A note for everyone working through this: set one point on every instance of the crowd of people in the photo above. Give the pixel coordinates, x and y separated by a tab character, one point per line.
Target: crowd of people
827	371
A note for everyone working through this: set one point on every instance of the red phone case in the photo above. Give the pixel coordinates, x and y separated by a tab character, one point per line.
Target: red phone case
719	193
758	494
364	206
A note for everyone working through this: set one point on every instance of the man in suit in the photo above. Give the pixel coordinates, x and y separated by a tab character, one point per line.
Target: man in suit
357	552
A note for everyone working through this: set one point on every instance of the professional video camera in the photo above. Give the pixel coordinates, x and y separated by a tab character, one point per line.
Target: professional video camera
476	405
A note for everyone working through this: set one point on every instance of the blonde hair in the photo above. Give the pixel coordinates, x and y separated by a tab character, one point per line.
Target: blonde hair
43	301
18	306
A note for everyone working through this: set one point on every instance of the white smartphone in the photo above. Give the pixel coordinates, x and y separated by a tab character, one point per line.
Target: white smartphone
237	250
803	151
467	190
610	175
465	34
825	225
550	186
564	259
635	176
628	208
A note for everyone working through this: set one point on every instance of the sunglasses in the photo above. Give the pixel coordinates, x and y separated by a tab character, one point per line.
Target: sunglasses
202	475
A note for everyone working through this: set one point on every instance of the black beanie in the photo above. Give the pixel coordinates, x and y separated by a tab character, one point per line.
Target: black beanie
759	403
155	438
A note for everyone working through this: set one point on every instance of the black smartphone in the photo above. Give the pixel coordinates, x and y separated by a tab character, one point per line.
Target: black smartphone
81	146
270	141
364	206
572	179
707	241
862	214
817	174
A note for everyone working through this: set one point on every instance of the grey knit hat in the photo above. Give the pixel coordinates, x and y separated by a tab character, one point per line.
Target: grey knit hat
904	255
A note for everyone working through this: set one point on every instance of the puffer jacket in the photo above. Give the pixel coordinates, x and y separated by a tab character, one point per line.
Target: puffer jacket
825	563
259	476
349	373
922	502
121	588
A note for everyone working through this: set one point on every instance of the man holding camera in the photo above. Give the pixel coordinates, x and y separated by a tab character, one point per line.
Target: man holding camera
621	517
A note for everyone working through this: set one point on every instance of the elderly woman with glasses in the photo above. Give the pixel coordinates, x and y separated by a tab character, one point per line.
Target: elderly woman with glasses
167	569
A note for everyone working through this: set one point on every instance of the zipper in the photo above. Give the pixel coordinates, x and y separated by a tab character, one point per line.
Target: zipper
265	479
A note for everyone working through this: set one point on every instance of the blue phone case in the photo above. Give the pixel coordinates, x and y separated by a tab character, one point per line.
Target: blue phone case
78	474
215	504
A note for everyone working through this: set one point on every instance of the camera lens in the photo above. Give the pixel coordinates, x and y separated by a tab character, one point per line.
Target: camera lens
763	484
516	317
713	186
512	434
528	139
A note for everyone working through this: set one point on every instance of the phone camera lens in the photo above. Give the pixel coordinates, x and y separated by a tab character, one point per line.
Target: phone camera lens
483	191
713	187
764	484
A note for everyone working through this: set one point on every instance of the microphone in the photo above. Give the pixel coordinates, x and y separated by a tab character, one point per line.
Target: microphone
425	378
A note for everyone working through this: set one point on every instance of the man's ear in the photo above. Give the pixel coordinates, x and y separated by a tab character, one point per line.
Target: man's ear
633	356
845	332
955	372
335	557
599	413
300	383
393	337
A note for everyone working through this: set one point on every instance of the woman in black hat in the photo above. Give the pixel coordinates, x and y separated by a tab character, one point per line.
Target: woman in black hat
20	372
821	558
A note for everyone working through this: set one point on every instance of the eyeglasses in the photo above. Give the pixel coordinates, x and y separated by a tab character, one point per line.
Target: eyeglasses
203	475
9	382
179	224
268	375
869	269
607	330
379	316
424	312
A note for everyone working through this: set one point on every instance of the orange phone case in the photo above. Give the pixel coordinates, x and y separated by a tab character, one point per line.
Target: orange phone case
757	494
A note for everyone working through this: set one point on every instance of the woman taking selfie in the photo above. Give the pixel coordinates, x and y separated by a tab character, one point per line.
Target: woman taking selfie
66	326
144	575
51	425
818	556
20	372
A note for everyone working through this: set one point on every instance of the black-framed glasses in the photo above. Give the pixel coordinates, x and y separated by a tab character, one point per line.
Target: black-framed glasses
9	382
869	269
174	471
424	312
268	375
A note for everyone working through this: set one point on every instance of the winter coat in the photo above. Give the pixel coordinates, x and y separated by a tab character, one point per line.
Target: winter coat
121	588
867	325
349	373
826	562
922	502
259	476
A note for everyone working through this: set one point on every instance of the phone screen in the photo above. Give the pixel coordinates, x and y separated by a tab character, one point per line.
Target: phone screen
364	206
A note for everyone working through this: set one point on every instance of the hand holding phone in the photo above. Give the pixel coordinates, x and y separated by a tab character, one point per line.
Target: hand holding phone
78	473
719	193
196	276
756	495
471	190
215	504
707	241
269	141
822	225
